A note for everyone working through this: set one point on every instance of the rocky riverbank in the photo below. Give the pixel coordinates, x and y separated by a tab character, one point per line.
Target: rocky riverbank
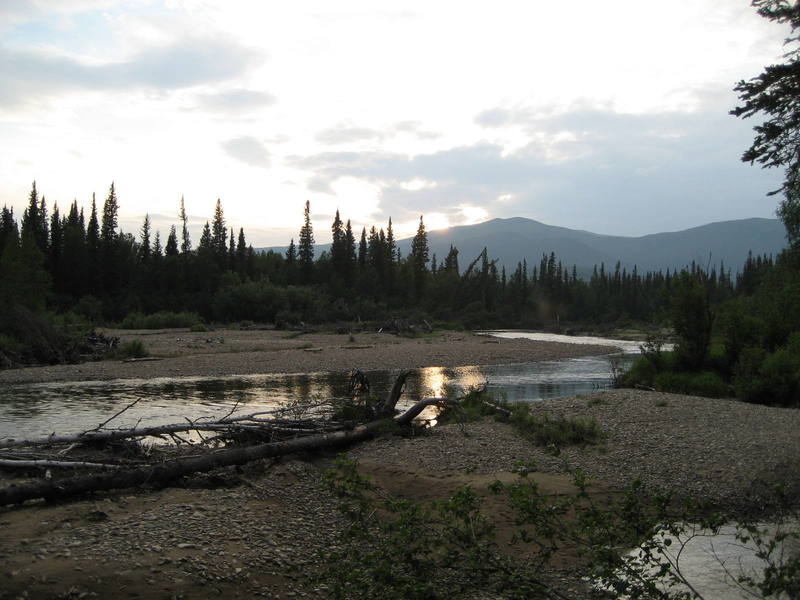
259	531
222	352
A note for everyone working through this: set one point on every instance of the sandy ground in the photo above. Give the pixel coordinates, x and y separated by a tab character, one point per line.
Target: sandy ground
242	352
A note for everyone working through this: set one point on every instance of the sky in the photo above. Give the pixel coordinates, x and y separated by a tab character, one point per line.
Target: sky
605	116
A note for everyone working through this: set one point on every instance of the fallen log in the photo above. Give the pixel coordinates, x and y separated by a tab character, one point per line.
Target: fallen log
98	435
167	471
57	464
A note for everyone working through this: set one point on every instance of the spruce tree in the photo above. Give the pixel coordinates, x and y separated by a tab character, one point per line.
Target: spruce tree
108	225
219	236
350	253
75	257
109	257
158	251
34	220
338	248
419	259
305	247
241	253
8	228
231	251
144	246
93	249
186	243
171	249
362	249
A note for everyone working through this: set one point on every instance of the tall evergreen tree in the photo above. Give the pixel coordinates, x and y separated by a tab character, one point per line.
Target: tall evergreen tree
362	249
158	251
110	259
305	246
144	247
419	258
241	253
186	242
75	258
232	250
171	249
56	248
93	249
8	228
108	225
338	247
34	220
349	253
219	236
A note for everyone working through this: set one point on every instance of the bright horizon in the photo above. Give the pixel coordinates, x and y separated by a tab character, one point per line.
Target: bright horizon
611	118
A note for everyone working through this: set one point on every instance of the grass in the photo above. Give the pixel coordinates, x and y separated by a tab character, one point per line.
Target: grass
132	349
542	430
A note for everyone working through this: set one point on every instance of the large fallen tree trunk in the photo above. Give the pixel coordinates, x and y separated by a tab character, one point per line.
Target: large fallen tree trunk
107	435
170	470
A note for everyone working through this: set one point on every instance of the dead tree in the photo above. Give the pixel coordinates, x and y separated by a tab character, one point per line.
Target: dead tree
167	471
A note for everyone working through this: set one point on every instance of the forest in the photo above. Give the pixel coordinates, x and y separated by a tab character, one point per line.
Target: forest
61	275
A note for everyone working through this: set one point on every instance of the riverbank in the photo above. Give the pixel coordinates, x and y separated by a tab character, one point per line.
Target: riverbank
260	531
181	353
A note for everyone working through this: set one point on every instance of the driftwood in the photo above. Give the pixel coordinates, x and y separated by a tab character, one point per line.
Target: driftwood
167	471
57	464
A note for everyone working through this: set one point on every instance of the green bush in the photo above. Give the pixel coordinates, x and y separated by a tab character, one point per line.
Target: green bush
132	349
541	430
160	320
641	373
555	432
704	383
30	337
770	377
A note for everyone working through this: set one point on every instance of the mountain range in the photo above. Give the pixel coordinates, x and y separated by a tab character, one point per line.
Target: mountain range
511	240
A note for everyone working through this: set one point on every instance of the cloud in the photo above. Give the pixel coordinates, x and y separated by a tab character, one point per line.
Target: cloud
27	74
590	168
345	134
249	150
415	128
235	101
494	117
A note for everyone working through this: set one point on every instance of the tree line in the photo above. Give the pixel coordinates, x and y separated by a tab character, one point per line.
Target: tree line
87	265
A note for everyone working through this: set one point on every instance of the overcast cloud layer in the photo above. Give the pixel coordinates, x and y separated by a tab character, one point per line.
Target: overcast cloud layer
610	117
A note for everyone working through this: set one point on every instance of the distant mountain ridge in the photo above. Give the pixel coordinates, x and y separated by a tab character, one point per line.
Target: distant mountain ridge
511	240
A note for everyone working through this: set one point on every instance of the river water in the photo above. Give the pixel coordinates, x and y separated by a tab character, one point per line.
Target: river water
33	410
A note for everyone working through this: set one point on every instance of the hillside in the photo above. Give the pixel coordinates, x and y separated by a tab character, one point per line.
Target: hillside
509	241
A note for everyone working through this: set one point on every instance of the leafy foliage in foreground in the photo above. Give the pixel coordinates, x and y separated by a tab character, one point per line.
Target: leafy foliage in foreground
396	549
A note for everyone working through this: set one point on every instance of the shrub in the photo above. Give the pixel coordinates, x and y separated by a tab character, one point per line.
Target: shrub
705	383
555	432
30	337
132	349
159	320
641	373
770	378
541	430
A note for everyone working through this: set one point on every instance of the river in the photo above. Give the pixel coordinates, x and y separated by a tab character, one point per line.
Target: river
33	410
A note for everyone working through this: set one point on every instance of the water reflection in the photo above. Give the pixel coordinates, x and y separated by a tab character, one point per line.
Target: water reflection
40	409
